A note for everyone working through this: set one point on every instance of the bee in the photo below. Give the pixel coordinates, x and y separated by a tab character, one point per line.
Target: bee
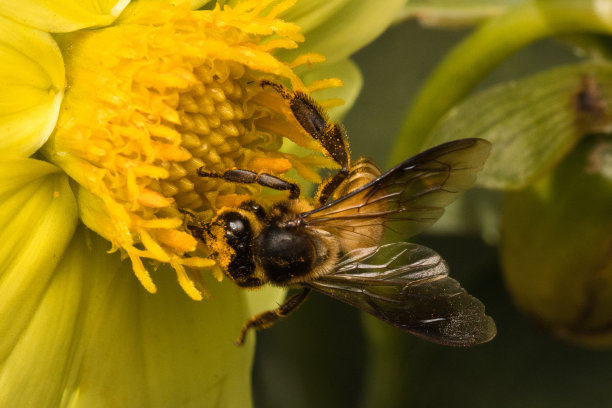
340	245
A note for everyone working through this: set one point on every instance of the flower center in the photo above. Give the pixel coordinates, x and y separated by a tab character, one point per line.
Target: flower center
160	95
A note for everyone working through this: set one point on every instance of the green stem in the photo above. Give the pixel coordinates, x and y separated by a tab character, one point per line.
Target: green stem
483	50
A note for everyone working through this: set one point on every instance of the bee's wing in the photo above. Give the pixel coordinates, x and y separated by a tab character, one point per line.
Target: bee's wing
407	198
408	286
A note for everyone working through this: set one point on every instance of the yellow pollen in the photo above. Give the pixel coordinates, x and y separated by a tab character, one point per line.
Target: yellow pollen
164	93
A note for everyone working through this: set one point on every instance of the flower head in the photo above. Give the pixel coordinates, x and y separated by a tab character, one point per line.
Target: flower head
160	95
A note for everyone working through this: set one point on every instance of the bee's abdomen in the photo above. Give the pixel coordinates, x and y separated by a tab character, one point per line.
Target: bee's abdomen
284	253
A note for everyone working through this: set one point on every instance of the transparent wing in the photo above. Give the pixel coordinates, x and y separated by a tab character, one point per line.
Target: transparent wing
407	198
408	286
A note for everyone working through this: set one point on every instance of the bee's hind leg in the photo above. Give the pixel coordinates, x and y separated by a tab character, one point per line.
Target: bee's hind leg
331	135
267	319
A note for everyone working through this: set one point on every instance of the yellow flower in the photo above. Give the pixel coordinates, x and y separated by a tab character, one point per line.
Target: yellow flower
105	128
156	97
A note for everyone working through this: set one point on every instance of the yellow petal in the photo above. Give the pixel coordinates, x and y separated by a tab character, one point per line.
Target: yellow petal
93	213
341	27
37	220
26	370
96	329
32	82
351	82
61	16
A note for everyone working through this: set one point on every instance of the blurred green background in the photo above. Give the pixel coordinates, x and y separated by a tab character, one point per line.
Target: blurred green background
322	357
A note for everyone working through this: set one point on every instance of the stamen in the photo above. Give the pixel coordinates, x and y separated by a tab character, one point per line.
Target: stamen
307	59
324	84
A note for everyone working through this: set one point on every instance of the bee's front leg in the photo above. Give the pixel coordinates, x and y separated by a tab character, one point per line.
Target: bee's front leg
267	319
250	177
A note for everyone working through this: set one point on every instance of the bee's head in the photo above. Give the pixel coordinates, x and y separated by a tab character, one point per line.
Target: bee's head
230	237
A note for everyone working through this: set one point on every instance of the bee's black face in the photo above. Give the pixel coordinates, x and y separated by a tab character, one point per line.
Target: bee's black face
284	254
238	235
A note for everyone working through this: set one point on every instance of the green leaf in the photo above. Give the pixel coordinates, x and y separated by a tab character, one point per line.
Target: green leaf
557	246
467	64
533	123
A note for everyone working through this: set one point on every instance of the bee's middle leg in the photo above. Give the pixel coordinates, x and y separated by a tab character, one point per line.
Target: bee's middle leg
267	319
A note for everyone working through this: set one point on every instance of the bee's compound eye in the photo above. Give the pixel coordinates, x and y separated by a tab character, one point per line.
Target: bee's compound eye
236	226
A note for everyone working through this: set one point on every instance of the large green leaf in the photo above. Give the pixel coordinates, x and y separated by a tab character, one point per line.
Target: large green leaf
468	63
533	122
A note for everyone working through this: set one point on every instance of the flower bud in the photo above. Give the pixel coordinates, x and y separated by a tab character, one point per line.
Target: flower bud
557	246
